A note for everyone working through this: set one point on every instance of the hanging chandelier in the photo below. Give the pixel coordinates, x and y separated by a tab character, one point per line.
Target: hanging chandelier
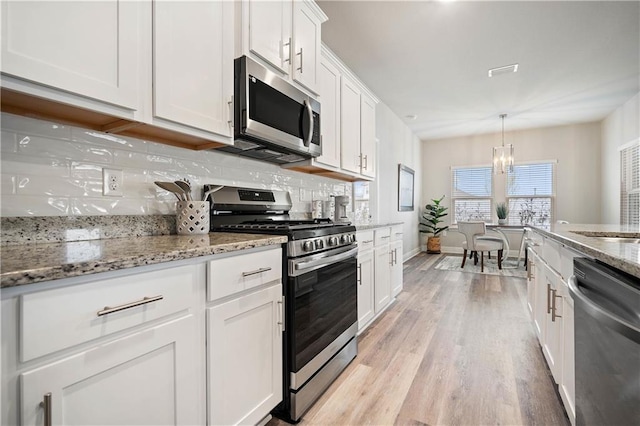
503	155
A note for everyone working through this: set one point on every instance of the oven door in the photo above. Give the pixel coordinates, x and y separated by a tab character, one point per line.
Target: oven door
322	310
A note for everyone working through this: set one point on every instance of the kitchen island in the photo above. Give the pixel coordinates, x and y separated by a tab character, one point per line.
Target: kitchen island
615	245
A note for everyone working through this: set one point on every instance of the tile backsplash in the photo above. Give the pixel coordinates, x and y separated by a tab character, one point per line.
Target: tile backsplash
50	169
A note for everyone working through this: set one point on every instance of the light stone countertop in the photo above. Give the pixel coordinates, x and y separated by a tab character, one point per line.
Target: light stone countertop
31	263
367	226
581	237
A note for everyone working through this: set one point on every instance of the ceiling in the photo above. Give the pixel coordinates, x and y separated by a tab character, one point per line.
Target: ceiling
578	61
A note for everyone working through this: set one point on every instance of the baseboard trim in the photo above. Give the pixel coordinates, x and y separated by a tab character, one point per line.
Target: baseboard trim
411	254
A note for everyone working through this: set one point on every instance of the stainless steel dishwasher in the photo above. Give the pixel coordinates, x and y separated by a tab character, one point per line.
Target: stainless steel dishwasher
607	344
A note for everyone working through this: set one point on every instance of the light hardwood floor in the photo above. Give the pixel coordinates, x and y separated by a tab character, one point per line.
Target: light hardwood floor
454	349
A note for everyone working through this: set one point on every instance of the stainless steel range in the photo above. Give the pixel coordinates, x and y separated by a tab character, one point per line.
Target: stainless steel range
320	288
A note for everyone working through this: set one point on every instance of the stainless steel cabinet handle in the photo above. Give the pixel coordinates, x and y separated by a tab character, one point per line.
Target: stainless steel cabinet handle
366	162
281	313
257	271
359	274
553	306
300	54
391	257
548	298
109	310
46	406
386	236
367	241
282	46
230	120
359	161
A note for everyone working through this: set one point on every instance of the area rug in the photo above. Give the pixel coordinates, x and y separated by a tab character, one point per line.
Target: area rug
509	268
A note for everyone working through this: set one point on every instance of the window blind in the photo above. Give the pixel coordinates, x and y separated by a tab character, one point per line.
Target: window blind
471	192
530	192
630	185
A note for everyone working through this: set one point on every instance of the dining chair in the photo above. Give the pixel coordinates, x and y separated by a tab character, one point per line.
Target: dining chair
473	230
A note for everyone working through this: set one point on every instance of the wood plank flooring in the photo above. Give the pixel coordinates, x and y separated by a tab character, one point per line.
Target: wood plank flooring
455	348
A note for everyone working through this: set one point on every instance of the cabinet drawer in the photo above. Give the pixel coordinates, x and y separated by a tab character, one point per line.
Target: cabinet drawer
396	233
551	253
365	240
52	320
382	236
233	274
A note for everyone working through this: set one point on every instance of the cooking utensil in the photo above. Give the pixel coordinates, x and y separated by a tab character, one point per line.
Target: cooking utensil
186	187
173	188
211	191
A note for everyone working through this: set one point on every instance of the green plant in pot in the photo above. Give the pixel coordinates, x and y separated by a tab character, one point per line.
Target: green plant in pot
430	223
502	210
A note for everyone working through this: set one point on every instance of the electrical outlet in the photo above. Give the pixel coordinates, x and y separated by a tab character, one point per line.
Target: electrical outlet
112	183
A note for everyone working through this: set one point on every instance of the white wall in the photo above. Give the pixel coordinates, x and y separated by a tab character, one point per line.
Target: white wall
49	169
396	145
619	128
575	147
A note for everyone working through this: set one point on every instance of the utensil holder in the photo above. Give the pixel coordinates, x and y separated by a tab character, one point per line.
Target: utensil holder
192	217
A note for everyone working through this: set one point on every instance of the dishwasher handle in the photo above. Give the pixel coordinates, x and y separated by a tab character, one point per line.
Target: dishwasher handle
604	316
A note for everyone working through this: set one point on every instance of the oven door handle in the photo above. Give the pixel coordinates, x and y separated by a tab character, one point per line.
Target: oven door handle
315	264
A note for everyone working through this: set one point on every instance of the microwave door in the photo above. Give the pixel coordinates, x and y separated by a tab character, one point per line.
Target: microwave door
273	116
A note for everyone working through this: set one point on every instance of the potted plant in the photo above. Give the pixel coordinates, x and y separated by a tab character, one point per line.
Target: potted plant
430	224
502	210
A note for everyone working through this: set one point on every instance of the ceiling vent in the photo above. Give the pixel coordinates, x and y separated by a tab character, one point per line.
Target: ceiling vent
503	70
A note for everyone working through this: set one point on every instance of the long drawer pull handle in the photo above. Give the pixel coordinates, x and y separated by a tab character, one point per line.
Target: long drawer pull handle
386	236
281	313
108	310
46	406
367	241
257	271
548	298
553	306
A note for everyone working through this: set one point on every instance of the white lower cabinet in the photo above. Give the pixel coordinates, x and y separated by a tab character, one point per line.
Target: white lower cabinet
382	277
146	378
244	357
379	271
147	346
552	342
366	310
396	267
551	305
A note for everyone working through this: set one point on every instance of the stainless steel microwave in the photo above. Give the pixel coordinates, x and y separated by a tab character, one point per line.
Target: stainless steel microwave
273	120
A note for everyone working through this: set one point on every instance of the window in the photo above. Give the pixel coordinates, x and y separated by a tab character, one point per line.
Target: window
471	193
630	185
530	192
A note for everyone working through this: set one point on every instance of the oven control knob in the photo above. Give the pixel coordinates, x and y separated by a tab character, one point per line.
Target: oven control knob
351	238
344	239
307	246
319	244
333	241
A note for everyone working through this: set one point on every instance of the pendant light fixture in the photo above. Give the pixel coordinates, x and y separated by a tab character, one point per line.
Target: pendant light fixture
503	155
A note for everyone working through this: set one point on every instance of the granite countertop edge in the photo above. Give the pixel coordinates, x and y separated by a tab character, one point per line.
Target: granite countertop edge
608	253
367	226
35	263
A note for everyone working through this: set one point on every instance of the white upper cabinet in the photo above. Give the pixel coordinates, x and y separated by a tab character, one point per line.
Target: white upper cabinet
91	49
367	136
350	125
306	44
329	90
193	65
269	32
284	35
